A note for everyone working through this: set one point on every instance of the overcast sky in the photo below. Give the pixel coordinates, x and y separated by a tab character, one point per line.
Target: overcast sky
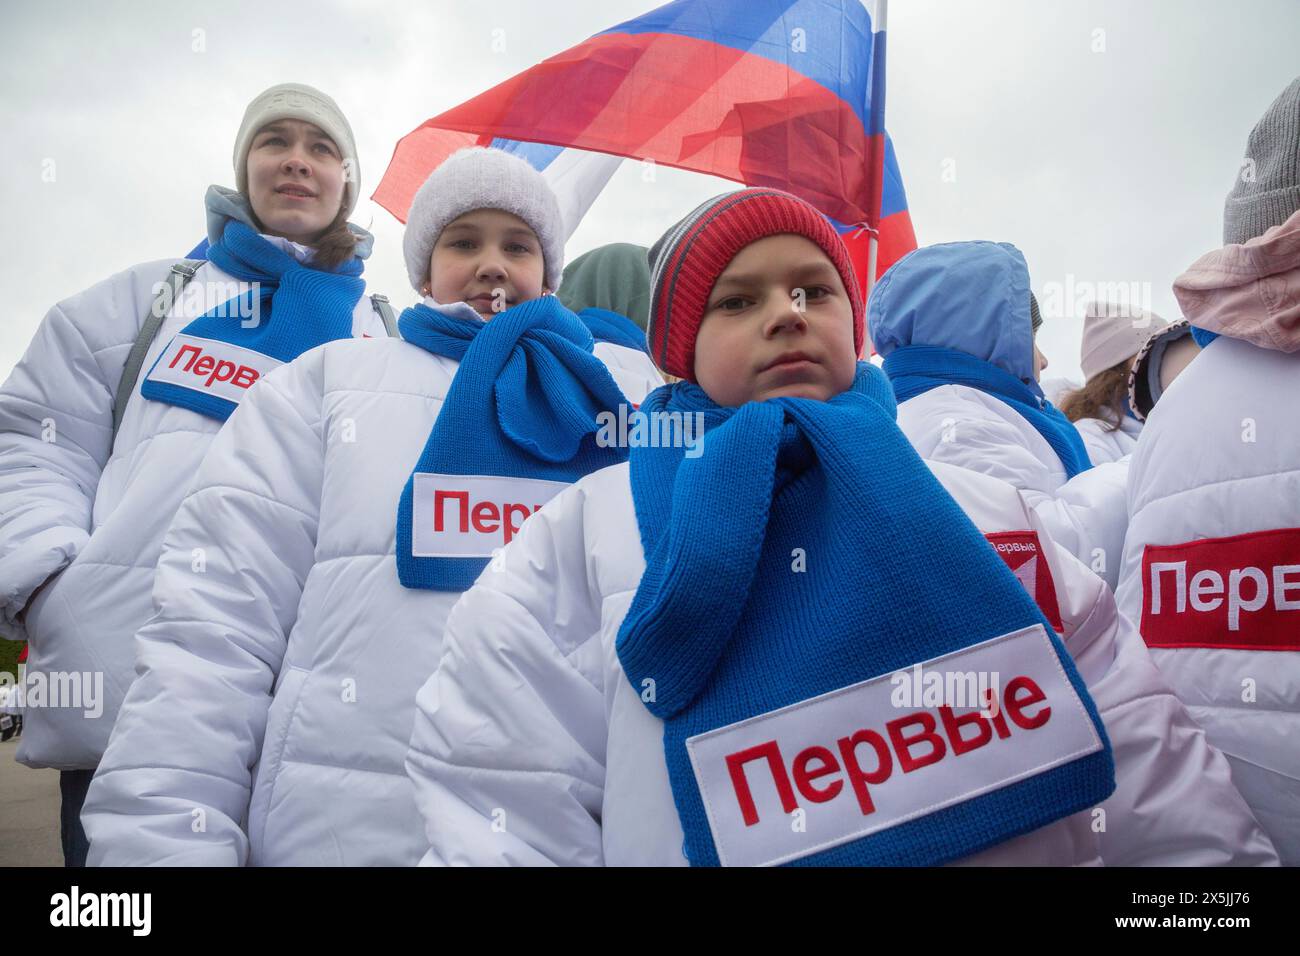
1100	136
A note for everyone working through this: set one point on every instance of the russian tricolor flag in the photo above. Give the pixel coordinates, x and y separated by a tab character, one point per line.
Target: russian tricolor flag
782	93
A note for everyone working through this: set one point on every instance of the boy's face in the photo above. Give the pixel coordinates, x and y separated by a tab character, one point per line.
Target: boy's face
488	258
778	323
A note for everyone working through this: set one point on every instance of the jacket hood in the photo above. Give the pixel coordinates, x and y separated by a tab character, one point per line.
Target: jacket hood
615	277
969	296
1144	371
224	204
1249	291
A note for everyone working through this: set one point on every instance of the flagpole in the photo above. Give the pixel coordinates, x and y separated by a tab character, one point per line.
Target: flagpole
872	250
877	171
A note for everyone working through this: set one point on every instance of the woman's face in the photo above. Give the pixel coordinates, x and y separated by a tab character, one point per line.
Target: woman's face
296	180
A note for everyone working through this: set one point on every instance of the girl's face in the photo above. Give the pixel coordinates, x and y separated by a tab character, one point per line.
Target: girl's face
295	180
778	323
488	258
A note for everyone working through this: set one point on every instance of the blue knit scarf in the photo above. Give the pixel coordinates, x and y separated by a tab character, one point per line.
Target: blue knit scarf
523	404
727	632
607	326
298	308
915	369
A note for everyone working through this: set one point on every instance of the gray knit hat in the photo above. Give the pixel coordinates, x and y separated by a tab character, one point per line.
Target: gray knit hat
479	177
301	102
1267	190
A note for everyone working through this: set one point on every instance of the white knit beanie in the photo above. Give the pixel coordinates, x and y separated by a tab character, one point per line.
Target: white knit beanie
301	102
1112	334
479	177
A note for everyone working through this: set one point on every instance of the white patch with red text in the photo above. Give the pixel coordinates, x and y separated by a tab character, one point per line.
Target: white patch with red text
1023	554
471	516
210	367
846	764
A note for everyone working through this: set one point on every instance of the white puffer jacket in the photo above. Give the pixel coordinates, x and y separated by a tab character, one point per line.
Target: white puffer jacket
69	503
531	747
1212	562
1216	493
1106	444
276	682
962	426
973	298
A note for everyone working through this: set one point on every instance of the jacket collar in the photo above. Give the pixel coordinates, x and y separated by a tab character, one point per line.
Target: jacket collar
224	204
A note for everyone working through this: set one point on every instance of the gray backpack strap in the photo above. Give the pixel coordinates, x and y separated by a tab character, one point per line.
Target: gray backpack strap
181	273
380	302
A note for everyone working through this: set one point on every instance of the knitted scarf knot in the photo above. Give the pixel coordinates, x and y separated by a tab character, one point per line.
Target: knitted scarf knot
295	307
524	404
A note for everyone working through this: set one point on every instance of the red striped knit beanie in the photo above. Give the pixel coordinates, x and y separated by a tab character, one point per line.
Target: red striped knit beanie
689	257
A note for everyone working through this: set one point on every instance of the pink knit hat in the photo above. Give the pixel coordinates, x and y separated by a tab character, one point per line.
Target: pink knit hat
1114	333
